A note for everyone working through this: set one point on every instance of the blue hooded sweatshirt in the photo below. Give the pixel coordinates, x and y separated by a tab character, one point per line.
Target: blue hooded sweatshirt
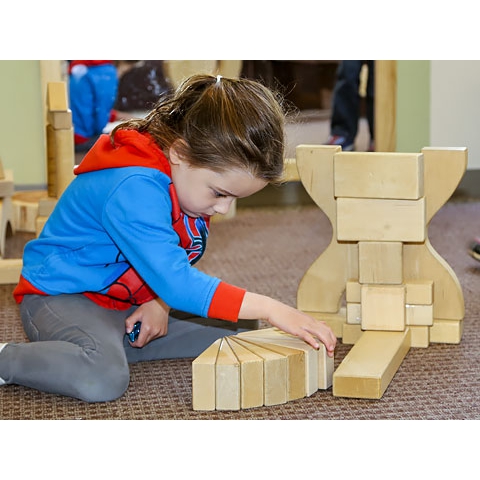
118	236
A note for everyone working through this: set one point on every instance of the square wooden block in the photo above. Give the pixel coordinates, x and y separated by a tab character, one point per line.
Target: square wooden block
380	262
383	307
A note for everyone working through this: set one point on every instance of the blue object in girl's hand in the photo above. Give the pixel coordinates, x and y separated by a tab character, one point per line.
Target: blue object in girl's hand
133	335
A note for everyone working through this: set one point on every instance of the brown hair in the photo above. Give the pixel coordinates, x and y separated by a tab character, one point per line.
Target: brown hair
223	123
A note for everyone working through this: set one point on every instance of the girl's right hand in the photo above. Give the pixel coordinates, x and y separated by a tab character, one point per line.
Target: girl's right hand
288	319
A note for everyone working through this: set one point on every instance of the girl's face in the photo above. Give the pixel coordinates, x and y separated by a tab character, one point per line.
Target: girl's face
202	192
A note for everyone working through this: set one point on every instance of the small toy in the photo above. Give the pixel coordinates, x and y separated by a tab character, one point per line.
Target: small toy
133	335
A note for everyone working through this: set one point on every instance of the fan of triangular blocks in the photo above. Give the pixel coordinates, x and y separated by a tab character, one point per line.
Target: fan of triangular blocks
256	368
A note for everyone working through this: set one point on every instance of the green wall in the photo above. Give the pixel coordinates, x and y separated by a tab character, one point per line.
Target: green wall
22	137
413	105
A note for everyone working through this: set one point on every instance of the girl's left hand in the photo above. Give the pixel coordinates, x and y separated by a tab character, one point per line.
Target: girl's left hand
154	318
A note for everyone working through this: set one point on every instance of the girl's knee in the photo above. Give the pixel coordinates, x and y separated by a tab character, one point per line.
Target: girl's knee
104	383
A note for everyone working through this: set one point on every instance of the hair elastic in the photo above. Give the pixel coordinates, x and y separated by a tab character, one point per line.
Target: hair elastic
218	78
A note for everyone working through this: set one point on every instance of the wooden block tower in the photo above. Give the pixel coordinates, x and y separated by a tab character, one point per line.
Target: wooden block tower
398	291
60	149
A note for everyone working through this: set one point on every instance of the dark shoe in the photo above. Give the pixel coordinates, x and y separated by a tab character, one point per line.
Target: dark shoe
474	249
342	141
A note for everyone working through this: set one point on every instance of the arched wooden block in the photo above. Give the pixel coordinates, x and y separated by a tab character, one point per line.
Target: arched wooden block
322	286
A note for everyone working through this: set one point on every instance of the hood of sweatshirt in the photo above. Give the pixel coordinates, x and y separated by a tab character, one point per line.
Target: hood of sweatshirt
130	149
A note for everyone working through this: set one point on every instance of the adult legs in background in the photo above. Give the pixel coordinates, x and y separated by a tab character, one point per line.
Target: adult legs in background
346	103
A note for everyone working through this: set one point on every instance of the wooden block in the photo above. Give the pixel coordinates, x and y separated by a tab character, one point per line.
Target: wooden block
7	186
419	292
46	206
379	175
295	366
419	337
422	261
351	333
383	307
291	171
251	375
381	220
322	287
10	269
277	337
39	224
227	379
6	218
25	209
419	315
370	365
352	291
203	378
57	99
60	160
380	262
60	120
274	372
354	313
326	367
446	331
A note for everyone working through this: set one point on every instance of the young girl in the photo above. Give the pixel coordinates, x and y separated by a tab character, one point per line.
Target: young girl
120	246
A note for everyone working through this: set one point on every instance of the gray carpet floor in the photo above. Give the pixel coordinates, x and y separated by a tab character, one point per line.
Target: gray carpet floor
268	250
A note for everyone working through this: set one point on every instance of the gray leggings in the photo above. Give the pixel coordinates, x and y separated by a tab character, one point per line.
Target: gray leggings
80	350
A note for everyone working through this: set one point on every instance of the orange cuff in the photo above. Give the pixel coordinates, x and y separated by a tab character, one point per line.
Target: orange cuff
226	302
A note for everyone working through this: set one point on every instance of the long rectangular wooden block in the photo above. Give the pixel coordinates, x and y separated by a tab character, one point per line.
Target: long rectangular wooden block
379	175
380	262
203	378
227	379
372	362
383	307
381	220
251	375
274	372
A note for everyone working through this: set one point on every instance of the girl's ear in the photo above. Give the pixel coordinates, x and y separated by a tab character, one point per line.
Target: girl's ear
175	152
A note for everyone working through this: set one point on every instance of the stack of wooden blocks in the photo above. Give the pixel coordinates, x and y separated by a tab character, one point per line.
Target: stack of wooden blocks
380	284
397	291
256	368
